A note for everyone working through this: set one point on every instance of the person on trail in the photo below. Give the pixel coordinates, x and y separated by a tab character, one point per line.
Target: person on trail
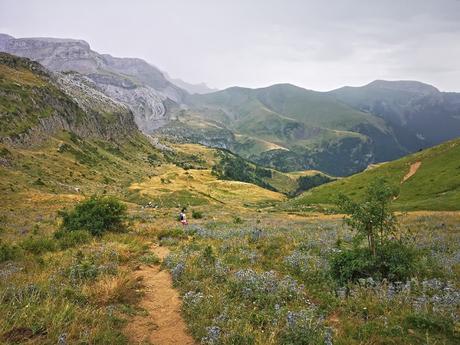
183	217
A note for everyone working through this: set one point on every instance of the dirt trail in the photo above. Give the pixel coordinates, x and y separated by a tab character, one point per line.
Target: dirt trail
412	170
163	324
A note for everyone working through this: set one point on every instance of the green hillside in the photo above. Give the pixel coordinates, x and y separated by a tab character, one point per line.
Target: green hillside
286	128
435	184
410	108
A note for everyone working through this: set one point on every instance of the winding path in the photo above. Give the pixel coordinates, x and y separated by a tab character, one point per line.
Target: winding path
163	324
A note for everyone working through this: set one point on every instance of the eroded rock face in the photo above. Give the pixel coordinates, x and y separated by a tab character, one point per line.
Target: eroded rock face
132	82
57	101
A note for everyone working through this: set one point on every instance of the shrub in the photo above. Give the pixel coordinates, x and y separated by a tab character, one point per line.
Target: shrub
372	218
8	251
96	215
197	214
38	245
393	261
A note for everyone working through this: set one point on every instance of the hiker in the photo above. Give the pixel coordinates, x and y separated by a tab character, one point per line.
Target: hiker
182	217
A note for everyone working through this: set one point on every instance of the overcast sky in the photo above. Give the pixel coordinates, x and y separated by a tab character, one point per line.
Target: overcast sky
318	45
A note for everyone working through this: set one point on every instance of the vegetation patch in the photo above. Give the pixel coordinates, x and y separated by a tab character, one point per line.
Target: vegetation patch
96	215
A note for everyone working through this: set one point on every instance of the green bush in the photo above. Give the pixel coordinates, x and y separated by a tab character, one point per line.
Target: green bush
38	245
393	261
197	214
96	215
8	252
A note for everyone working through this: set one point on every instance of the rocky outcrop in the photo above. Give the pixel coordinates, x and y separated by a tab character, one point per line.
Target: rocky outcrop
133	82
56	102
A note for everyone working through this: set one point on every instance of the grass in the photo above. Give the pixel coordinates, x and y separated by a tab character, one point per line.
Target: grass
268	283
248	273
223	264
435	185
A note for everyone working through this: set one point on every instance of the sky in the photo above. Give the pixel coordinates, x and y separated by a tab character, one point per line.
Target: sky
319	45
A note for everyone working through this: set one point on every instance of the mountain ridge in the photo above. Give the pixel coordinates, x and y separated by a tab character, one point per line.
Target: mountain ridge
131	81
281	126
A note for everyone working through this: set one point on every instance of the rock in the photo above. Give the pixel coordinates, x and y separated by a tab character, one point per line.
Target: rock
131	82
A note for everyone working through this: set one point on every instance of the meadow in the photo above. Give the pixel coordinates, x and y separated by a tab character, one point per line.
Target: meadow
266	280
247	272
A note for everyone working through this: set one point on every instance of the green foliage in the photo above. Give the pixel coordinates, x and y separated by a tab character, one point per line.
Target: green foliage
171	233
96	215
39	182
234	168
150	259
429	323
38	245
208	255
237	220
435	185
185	160
308	182
89	266
393	261
197	214
153	159
302	328
8	252
70	239
263	172
371	219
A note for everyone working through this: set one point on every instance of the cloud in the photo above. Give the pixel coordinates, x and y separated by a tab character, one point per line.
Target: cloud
315	44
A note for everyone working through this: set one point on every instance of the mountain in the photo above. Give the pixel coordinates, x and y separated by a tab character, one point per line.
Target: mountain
283	127
35	104
61	119
287	128
428	180
419	114
200	88
130	81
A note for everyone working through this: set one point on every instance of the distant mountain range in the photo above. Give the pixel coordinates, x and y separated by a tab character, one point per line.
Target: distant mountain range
339	132
200	88
281	126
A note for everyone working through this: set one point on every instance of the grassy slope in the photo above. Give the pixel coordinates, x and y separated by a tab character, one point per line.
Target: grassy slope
314	128
291	102
314	108
81	289
282	114
435	186
27	98
85	293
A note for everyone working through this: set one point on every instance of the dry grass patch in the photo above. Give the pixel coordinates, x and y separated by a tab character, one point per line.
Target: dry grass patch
113	290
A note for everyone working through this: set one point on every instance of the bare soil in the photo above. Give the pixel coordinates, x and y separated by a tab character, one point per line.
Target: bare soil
412	170
163	323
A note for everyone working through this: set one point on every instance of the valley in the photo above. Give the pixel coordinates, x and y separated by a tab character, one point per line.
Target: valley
98	155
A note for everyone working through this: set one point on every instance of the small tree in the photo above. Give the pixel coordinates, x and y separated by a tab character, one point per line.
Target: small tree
96	215
372	218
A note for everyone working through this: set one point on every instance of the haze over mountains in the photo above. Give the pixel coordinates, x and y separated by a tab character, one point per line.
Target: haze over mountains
281	126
